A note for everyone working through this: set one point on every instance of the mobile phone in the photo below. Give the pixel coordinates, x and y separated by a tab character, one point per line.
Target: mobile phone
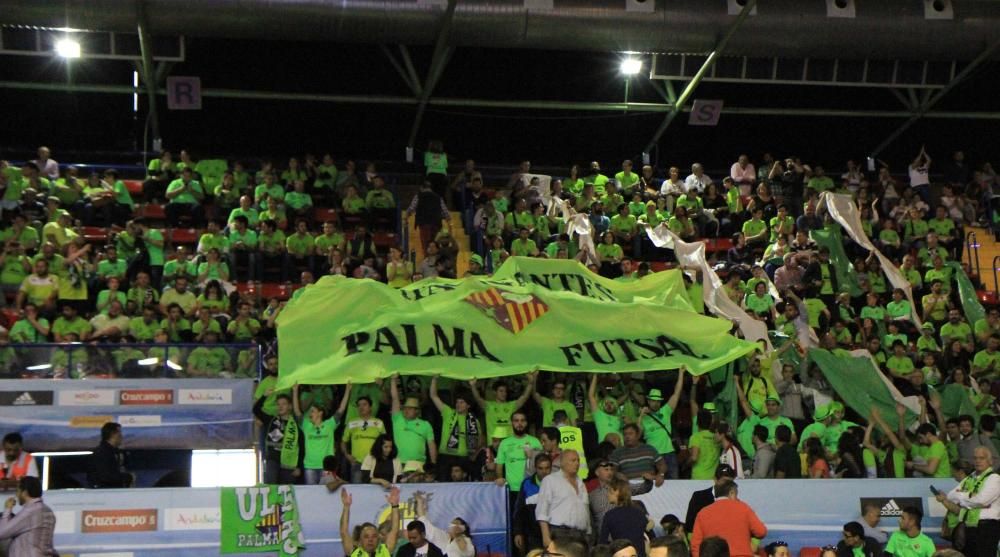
935	490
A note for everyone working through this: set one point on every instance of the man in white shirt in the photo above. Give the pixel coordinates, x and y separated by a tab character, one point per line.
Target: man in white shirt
47	167
919	172
563	504
698	180
743	172
977	503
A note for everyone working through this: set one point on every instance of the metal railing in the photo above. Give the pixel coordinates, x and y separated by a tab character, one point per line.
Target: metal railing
81	360
972	250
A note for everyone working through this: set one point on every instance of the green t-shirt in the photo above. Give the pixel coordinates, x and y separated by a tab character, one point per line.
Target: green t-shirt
899	365
217	241
898	309
243	330
319	441
961	332
753	227
626	181
902	545
39	289
251	215
943	227
524	248
939	451
63	326
142	331
607	423
815	429
262	192
188	196
454	429
271	242
175	267
610	251
175	333
549	407
498	414
888	236
198	327
789	224
623	224
983	359
380	199
656	427
248	237
361	434
759	304
24	332
708	455
155	252
323	242
299	245
324	181
103	299
511	455
206	361
411	437
13	271
298	201
436	163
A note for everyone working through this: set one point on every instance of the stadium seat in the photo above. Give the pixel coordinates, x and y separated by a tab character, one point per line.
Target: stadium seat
384	239
152	211
713	245
184	236
246	288
9	316
810	552
134	186
323	214
988	298
277	290
94	234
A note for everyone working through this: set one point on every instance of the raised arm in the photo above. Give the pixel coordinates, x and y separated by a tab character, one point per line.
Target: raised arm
434	394
693	396
744	403
675	398
296	405
474	388
393	499
529	389
345	522
394	392
344	401
592	394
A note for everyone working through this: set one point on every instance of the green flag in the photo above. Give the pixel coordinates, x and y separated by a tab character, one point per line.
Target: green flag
955	402
533	314
971	307
260	519
859	383
833	240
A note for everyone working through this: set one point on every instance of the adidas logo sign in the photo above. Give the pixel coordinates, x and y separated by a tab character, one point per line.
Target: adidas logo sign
891	509
24	400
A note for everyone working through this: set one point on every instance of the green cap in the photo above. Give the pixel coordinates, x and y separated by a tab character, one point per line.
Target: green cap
821	413
710	406
476	258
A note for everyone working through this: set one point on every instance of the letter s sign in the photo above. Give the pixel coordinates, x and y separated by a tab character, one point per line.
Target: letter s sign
705	112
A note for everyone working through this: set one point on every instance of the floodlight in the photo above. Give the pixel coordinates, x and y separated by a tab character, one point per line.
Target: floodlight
68	48
631	66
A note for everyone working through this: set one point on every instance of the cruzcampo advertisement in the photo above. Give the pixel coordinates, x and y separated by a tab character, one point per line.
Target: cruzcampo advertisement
532	314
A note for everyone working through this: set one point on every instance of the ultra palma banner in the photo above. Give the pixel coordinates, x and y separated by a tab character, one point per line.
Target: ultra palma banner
532	314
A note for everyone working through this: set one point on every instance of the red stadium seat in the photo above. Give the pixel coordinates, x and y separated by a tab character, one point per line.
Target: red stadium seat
323	214
277	290
95	234
384	239
184	236
134	186
810	552
246	288
988	298
151	211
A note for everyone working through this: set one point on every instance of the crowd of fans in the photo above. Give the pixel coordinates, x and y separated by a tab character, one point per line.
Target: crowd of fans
620	435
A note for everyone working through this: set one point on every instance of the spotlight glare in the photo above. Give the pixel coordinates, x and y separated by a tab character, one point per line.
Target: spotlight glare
631	66
68	48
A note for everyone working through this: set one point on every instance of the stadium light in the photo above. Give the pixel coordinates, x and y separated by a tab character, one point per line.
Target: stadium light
68	48
631	66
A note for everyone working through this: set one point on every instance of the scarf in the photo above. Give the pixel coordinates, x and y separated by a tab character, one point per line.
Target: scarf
455	432
290	445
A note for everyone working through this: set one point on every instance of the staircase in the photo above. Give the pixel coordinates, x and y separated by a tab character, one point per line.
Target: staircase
454	225
988	249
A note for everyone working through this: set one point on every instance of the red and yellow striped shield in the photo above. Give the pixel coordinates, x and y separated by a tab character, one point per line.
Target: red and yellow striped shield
511	311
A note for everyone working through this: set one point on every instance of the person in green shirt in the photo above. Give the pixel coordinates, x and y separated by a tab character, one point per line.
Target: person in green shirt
326	174
514	451
957	329
986	363
557	401
899	364
909	541
19	233
498	411
153	241
243	244
144	327
360	433
271	250
213	238
934	463
655	423
70	322
703	450
244	327
269	189
461	431
381	204
626	179
177	327
596	179
760	301
319	433
245	209
300	246
607	419
184	197
413	436
110	266
32	328
353	204
209	360
524	245
782	224
755	229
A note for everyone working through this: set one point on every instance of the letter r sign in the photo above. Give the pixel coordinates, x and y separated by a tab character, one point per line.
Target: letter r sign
705	112
184	93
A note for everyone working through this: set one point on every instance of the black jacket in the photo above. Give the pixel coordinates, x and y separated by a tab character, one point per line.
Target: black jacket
409	551
699	500
872	549
107	468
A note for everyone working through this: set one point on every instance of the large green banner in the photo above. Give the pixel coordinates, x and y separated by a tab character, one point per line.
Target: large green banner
260	519
532	314
860	384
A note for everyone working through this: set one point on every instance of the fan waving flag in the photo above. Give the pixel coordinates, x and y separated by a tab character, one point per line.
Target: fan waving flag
532	314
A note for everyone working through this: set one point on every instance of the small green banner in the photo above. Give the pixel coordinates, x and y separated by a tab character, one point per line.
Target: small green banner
260	519
532	314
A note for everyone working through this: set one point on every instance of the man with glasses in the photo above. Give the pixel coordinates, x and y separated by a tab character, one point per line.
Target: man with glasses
563	505
855	544
976	500
558	401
